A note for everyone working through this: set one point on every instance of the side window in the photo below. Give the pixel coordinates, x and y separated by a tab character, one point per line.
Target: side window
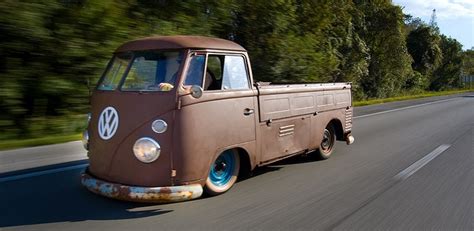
222	72
235	73
213	80
195	70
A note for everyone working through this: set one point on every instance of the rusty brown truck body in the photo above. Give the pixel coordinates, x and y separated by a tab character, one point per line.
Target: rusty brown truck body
173	116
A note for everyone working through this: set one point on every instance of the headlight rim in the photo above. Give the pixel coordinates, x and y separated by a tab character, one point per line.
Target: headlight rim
85	139
165	125
154	142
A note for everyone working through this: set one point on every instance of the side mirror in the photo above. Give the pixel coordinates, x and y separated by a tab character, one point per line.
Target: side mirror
196	91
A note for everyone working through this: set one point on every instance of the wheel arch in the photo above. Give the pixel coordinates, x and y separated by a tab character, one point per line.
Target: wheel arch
337	125
245	163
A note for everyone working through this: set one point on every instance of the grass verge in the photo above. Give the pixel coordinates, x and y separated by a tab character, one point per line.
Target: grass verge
12	144
407	97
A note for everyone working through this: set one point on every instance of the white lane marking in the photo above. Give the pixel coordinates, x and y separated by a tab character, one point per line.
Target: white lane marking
404	108
40	173
421	162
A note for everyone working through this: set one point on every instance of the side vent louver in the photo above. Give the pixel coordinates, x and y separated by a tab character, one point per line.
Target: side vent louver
287	130
348	125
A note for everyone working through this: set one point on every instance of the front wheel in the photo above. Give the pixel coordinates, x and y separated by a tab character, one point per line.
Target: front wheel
327	144
223	173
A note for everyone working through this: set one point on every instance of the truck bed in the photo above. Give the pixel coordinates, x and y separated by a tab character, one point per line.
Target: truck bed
278	101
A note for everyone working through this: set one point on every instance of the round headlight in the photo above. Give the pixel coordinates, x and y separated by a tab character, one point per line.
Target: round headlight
85	139
146	150
159	126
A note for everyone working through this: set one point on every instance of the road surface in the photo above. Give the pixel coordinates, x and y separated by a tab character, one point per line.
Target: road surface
411	168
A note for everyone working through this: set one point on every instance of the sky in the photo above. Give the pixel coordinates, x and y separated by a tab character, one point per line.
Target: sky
455	18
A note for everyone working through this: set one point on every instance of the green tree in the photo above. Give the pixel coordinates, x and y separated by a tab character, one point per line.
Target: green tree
263	29
468	62
305	53
302	41
348	46
51	51
23	34
412	23
423	44
389	65
199	17
449	72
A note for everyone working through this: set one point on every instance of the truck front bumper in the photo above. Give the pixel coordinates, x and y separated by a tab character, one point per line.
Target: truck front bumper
141	194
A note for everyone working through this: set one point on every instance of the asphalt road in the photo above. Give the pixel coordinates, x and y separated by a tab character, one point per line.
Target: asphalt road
411	168
35	157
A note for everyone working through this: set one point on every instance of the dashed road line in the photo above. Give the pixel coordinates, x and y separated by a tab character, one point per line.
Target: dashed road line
421	162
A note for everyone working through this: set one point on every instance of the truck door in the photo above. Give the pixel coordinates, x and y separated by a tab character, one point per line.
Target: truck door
224	115
227	80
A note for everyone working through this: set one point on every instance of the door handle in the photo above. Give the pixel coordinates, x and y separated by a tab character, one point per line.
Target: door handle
248	111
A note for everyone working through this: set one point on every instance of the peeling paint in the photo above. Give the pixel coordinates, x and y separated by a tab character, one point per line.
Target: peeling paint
141	194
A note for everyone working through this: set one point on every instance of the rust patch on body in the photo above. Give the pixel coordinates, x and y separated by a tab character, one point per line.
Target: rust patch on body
141	194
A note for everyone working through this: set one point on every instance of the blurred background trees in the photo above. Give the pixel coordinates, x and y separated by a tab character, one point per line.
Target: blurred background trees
52	51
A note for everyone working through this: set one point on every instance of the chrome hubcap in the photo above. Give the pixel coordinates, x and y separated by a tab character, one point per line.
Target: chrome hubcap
222	169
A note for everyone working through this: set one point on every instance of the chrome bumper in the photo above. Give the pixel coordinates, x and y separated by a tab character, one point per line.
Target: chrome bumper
141	194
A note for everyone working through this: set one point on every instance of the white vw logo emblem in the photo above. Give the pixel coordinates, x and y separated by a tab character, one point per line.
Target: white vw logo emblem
108	123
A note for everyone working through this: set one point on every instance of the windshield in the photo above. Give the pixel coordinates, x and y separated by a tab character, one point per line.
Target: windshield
149	71
114	72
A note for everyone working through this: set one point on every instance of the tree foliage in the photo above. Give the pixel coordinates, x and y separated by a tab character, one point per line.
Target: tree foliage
389	65
424	47
468	62
448	74
53	50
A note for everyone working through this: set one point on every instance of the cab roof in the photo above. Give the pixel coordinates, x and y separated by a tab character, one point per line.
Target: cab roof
179	42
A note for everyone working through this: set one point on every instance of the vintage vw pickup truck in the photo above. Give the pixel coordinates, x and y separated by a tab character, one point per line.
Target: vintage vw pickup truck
175	116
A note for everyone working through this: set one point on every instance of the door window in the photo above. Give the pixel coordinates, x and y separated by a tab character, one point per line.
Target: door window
235	73
223	72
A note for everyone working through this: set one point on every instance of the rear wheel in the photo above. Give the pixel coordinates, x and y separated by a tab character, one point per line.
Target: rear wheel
327	144
223	173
